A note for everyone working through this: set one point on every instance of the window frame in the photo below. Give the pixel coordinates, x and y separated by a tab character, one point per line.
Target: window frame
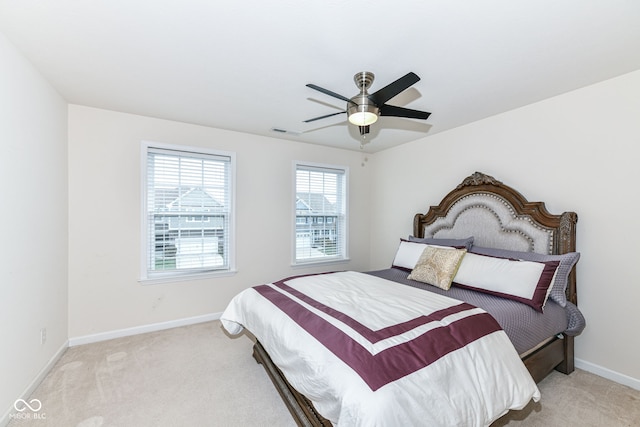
344	223
174	275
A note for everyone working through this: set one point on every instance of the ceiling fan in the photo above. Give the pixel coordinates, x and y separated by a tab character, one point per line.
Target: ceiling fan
364	109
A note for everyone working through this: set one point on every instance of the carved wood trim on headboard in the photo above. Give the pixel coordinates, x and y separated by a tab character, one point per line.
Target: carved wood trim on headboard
564	225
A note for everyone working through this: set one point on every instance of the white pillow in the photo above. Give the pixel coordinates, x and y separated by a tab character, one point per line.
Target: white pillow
525	281
408	254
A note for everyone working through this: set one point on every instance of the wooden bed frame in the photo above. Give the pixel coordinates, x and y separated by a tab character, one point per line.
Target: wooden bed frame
556	353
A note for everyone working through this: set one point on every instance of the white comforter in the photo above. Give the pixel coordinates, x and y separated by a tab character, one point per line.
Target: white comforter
371	352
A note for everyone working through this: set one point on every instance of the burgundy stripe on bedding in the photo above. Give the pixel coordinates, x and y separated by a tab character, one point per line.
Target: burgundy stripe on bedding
525	326
371	335
395	362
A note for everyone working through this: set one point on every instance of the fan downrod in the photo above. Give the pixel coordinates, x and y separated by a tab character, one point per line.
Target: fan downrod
364	80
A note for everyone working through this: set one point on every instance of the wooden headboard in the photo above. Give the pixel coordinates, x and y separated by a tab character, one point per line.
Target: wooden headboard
498	216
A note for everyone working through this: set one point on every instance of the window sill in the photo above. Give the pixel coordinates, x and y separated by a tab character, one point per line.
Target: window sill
186	277
307	264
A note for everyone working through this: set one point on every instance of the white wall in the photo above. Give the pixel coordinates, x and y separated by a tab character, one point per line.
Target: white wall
104	218
33	214
578	152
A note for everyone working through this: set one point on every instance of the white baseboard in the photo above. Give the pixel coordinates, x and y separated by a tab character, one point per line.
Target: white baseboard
35	383
104	336
608	374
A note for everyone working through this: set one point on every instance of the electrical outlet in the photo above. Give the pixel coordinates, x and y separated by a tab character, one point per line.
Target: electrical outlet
43	335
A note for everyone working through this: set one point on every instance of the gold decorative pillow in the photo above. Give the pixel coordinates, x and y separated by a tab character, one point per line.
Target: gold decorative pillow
437	266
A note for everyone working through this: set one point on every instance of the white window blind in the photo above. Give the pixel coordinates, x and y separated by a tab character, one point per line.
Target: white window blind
188	212
321	213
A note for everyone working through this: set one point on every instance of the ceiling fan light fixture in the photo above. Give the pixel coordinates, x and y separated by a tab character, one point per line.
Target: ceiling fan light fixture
363	118
362	112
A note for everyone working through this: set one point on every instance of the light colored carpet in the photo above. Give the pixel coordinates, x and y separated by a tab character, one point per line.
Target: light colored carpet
197	376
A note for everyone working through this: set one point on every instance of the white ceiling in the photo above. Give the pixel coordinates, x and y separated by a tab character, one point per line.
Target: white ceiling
243	65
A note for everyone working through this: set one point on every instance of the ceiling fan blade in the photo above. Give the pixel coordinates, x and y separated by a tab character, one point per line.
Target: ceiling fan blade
392	110
392	89
328	92
324	117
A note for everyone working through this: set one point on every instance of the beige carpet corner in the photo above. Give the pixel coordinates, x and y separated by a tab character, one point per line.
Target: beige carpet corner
198	376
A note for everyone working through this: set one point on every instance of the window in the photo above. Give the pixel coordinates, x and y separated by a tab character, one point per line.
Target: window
321	213
187	211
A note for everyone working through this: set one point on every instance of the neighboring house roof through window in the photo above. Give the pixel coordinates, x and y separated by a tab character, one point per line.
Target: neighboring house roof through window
315	203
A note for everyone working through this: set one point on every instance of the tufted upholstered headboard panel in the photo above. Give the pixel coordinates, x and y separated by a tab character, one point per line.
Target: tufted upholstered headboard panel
498	216
493	223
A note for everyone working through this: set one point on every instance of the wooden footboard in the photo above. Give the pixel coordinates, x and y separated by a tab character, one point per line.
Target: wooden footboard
300	407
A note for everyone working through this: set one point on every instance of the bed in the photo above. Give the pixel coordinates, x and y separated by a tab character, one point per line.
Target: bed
482	228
